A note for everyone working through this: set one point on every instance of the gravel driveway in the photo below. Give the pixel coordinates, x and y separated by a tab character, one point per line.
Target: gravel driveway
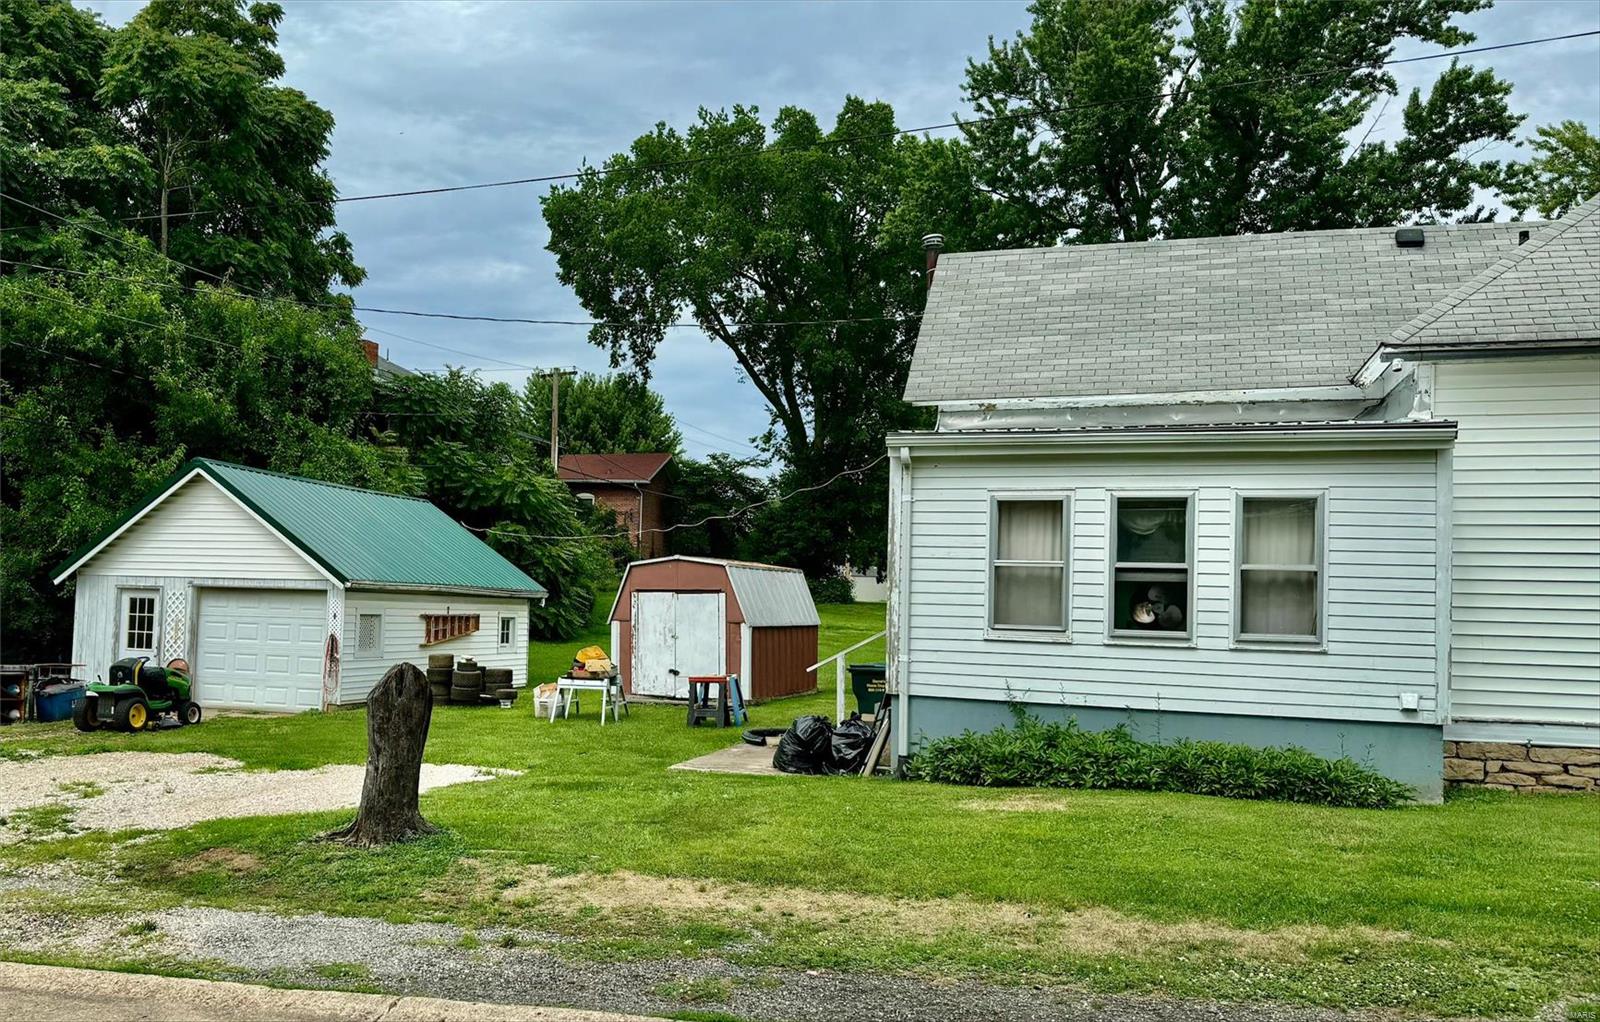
523	967
165	791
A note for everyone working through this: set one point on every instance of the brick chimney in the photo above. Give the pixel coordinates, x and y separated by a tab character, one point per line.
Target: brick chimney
932	244
370	348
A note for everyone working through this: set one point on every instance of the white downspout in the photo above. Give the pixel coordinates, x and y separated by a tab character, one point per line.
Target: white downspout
900	499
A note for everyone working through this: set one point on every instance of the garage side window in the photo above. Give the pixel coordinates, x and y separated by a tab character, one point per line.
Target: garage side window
1279	583
1028	564
139	623
369	634
508	631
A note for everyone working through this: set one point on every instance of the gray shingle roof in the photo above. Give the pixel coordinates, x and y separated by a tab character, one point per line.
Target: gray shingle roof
1547	290
1269	310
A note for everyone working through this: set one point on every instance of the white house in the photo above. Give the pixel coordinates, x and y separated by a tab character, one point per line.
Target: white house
291	594
1338	489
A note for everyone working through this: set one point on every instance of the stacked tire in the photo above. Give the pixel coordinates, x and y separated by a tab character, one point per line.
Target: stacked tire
440	668
497	685
466	684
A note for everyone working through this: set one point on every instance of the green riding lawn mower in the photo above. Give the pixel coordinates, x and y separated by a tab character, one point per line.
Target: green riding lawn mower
139	694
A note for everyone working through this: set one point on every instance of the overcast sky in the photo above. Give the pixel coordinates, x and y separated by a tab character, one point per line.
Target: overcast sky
434	93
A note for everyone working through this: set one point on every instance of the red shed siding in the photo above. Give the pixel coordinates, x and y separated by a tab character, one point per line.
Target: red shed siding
779	658
676	577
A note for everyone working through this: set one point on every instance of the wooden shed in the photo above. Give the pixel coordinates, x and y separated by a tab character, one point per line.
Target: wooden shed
698	615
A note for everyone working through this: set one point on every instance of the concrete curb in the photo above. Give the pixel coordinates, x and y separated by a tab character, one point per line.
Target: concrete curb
47	992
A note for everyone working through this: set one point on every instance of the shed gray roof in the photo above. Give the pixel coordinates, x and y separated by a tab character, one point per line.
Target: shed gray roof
1547	290
772	596
1267	310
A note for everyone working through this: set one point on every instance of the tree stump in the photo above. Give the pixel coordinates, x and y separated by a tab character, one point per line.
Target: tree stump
399	710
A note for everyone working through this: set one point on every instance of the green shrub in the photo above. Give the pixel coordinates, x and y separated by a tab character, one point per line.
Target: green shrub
1036	753
831	589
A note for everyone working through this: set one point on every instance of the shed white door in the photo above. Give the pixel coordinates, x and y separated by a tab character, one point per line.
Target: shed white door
261	649
682	631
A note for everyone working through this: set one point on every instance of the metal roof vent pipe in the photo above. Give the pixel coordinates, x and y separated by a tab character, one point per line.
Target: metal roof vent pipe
932	244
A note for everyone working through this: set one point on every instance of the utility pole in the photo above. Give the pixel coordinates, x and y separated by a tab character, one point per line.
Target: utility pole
555	416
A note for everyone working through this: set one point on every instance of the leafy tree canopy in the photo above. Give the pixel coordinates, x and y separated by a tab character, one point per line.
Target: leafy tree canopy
610	414
113	379
707	492
481	464
742	227
1564	172
1159	118
174	125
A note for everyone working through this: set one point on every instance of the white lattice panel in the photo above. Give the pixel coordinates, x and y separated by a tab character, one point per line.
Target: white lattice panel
175	625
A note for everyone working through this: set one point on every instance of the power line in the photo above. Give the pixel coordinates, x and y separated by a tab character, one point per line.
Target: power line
887	133
456	316
849	472
264	298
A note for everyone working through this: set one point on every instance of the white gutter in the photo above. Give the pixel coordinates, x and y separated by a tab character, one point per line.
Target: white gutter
1399	435
1338	392
899	647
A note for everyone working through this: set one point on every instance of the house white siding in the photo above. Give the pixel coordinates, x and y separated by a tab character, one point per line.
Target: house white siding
200	530
1525	658
1381	510
401	635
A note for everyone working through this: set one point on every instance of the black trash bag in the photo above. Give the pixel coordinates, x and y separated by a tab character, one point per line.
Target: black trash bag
803	749
848	749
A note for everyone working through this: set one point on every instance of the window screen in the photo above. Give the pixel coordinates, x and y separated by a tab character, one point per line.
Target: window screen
369	633
1028	561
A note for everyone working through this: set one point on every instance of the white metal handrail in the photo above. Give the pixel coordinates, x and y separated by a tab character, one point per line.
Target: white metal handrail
839	665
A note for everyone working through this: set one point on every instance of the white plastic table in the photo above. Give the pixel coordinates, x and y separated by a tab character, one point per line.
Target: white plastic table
609	689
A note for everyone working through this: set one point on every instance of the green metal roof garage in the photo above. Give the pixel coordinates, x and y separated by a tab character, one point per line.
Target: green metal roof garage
289	594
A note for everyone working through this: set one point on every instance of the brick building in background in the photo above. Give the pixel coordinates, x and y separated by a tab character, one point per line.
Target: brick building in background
628	485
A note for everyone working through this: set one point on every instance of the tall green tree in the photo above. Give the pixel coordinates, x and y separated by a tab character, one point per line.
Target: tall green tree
1564	171
707	493
1146	119
174	125
480	462
605	414
113	378
781	243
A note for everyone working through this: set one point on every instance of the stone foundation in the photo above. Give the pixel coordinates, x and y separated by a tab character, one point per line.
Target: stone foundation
1531	768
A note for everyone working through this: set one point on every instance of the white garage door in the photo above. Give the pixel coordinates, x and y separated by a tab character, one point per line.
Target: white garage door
261	649
676	630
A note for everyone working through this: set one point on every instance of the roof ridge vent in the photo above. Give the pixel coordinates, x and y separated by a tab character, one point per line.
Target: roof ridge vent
1409	237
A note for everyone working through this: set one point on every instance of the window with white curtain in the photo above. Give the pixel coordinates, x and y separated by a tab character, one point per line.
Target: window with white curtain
1279	583
1028	563
1150	569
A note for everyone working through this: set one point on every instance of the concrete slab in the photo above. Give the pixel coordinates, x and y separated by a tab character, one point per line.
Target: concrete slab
754	760
52	994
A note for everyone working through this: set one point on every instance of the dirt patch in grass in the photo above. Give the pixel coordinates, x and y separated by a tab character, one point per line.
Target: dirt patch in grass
1015	804
229	860
622	896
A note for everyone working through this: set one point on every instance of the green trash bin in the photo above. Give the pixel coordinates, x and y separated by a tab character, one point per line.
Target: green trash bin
867	681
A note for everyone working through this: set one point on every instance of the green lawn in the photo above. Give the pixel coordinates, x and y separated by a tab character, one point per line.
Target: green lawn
1486	905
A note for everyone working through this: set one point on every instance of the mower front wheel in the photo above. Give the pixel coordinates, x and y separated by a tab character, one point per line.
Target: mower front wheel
83	715
191	713
133	713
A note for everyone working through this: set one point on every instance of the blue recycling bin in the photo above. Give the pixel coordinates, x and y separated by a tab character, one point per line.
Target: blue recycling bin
55	702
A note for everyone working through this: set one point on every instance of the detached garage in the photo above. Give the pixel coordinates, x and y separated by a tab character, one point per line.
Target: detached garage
698	616
290	594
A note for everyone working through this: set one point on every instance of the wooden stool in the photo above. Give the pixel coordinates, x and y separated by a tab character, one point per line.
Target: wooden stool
701	706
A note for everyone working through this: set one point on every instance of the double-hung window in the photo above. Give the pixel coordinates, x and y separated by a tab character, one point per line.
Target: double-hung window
1278	583
1028	563
1151	570
508	631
